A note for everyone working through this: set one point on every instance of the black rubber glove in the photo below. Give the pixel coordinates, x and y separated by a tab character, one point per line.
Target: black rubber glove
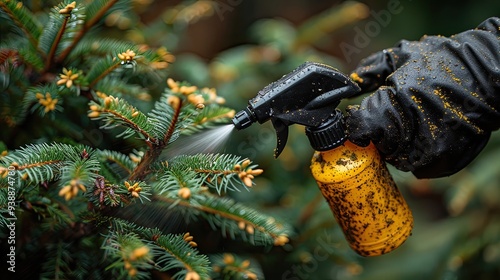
436	100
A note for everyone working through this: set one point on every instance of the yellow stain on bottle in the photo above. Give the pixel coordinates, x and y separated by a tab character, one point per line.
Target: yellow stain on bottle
363	197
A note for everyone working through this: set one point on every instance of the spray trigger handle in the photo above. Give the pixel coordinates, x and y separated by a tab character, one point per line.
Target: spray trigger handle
307	96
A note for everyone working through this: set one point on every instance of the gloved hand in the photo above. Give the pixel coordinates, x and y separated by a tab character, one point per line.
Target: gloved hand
436	100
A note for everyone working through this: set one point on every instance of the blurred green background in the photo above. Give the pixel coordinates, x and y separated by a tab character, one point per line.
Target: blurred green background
240	46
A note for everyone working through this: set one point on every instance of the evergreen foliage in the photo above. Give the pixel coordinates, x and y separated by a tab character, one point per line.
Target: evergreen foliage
69	196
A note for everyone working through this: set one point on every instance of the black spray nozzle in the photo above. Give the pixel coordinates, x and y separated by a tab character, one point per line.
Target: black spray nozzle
244	119
308	96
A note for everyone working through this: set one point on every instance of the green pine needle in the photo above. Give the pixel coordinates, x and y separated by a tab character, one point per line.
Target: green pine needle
23	18
209	117
51	177
52	28
174	179
60	30
114	112
162	117
99	47
98	9
122	88
101	68
56	261
49	162
165	252
74	26
116	163
54	219
83	169
42	162
233	219
11	108
174	252
30	56
214	170
231	266
119	248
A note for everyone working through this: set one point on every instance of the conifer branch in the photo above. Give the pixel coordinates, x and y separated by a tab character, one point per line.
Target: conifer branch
41	162
164	251
99	47
55	44
104	74
59	262
231	266
171	128
89	23
130	123
217	172
143	168
24	19
162	115
155	150
108	84
211	115
119	159
178	257
55	265
253	226
31	56
36	164
220	171
117	111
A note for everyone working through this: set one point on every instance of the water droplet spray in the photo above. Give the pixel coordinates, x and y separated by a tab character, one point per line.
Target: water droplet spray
212	140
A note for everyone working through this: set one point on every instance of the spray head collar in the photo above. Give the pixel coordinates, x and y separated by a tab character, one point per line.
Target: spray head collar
307	96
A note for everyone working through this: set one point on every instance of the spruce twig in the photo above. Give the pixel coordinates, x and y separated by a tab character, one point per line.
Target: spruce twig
50	56
164	251
246	223
104	74
86	27
143	168
171	129
24	19
116	111
131	124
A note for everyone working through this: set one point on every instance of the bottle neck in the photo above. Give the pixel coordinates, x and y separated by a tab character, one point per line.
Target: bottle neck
328	135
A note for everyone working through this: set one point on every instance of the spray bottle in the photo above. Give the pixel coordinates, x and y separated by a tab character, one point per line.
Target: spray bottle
354	180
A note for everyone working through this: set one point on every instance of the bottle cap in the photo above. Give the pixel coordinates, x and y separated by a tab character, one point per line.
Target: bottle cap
328	135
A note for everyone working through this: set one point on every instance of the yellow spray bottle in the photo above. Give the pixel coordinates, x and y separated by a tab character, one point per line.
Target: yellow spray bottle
354	180
361	193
